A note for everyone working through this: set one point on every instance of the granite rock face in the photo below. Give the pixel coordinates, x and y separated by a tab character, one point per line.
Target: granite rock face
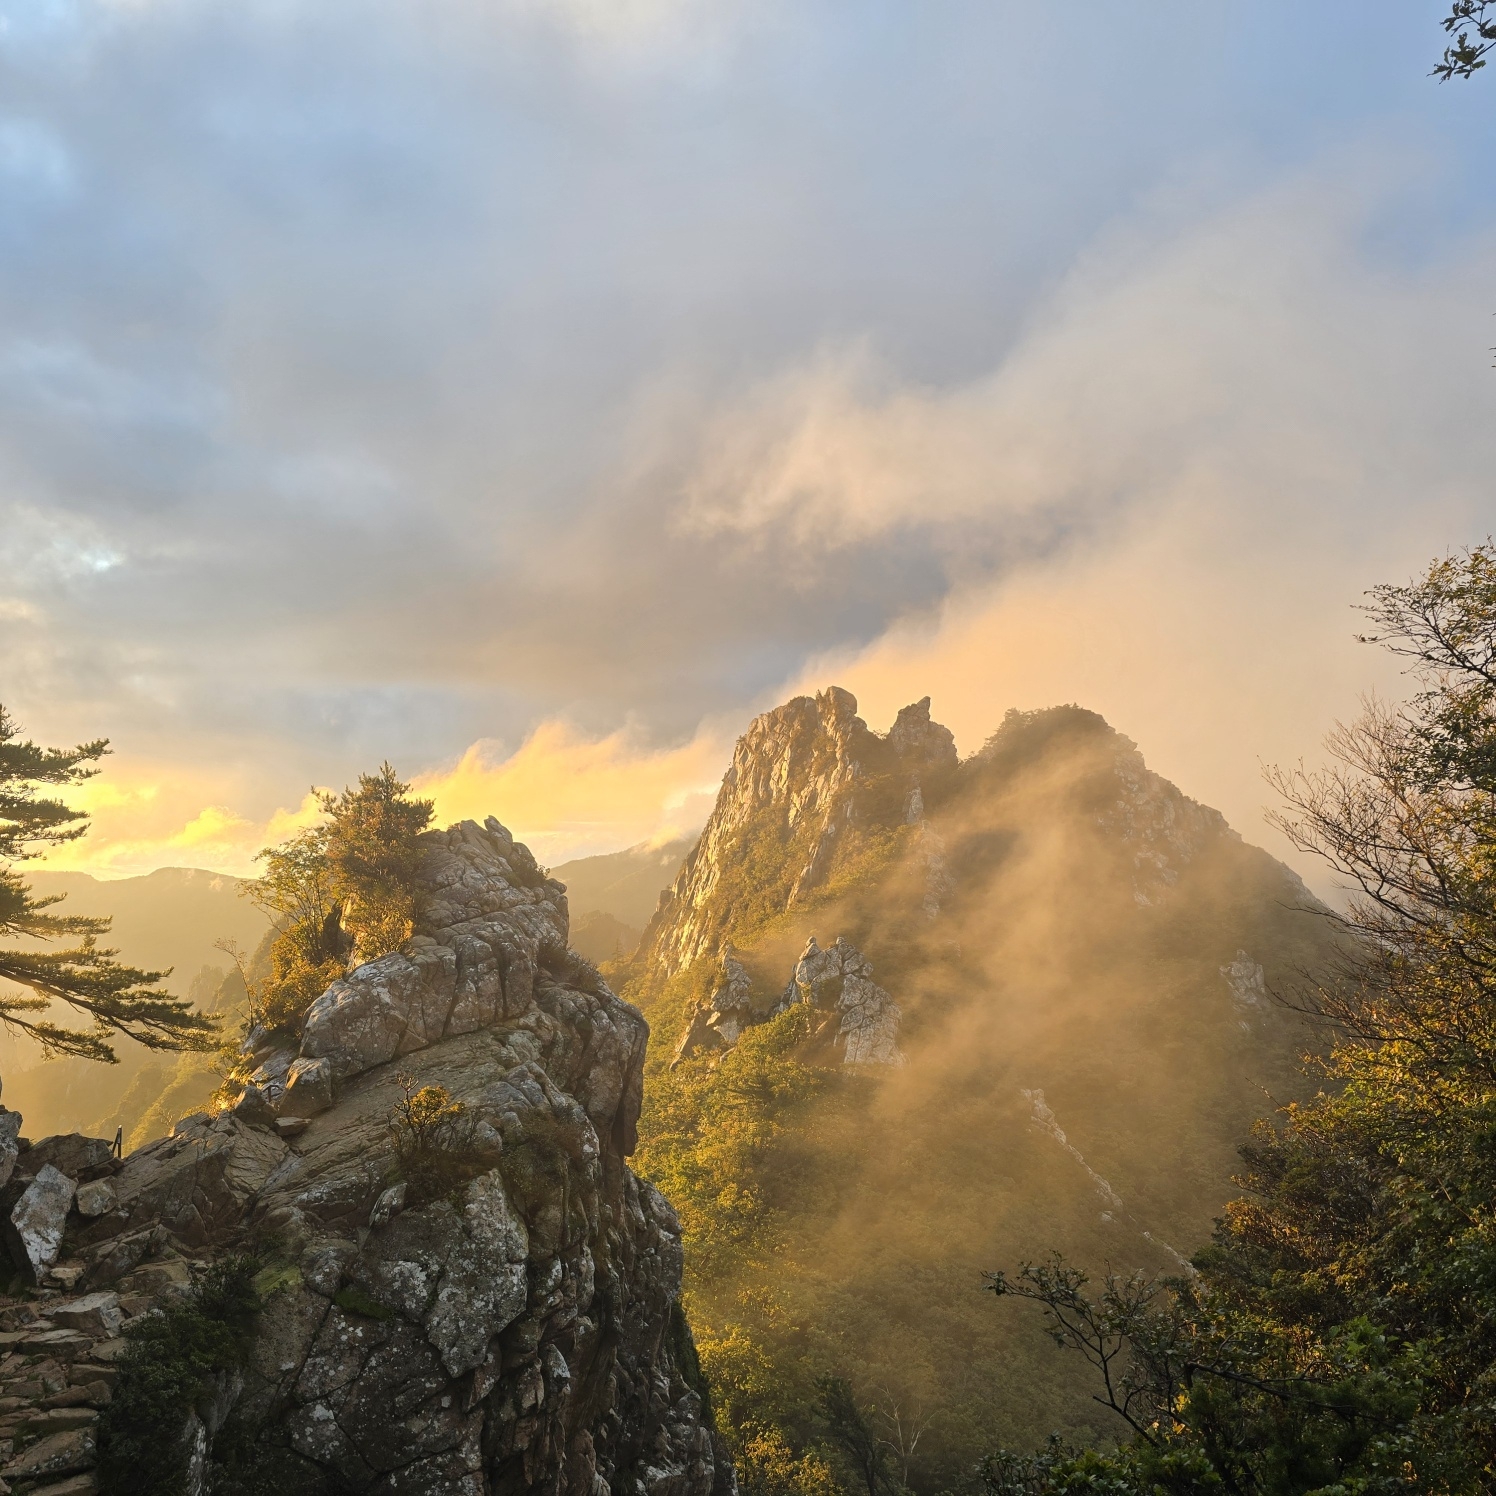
840	979
34	1230
519	1327
488	917
852	1011
10	1132
800	781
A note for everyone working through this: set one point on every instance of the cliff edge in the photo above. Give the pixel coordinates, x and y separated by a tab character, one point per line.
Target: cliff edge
514	1325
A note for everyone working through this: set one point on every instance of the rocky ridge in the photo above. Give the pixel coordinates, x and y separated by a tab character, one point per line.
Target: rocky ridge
1074	956
854	1015
804	779
520	1331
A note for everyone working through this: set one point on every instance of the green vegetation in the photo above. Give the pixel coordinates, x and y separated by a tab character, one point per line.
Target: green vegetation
436	1149
340	893
1339	1334
176	1358
1472	24
118	999
356	1301
721	1139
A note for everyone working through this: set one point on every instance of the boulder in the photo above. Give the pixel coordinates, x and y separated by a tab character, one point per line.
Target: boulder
86	1484
388	1206
97	1314
65	1453
10	1132
71	1153
308	1088
115	1257
869	1029
254	1107
34	1230
95	1198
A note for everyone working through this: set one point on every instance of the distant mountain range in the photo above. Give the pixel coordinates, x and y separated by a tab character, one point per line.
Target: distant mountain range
169	919
613	896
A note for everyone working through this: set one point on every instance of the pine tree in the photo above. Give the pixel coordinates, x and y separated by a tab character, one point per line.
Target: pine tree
83	975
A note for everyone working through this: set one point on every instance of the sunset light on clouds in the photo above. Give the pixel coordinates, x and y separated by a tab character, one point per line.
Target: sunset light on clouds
529	394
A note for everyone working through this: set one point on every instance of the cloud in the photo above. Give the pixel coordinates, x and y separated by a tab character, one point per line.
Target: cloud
567	795
1161	502
383	379
563	793
1260	348
1248	426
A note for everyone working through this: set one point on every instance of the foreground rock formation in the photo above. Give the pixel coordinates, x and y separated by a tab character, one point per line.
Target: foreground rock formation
58	1358
520	1330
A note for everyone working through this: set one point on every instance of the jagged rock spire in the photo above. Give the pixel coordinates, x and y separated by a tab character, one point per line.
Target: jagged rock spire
791	798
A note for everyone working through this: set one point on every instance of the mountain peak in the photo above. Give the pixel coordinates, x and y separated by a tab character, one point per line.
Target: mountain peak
806	780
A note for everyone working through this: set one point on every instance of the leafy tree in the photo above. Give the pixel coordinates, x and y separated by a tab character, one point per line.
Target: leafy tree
768	1466
85	976
341	892
372	857
1472	24
1339	1333
849	1428
311	947
174	1357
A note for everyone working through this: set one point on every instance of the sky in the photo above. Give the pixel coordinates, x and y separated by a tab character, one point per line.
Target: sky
529	392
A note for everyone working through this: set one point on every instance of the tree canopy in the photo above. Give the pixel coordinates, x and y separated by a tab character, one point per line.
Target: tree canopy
1472	26
82	975
341	892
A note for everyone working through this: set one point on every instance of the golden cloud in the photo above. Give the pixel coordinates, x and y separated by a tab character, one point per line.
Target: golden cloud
564	793
567	795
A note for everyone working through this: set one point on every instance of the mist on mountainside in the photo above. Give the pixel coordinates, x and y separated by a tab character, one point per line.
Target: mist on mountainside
1082	961
627	884
171	919
613	896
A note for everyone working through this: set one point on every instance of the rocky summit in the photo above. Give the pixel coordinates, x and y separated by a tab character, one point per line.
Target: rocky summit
917	1017
518	1331
805	780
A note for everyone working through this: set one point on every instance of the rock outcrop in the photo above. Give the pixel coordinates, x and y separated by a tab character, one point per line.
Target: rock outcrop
804	780
839	979
518	1329
858	1018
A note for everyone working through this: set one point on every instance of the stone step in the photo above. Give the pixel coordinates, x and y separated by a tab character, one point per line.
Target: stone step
67	1452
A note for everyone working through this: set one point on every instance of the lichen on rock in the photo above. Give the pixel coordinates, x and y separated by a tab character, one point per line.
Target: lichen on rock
516	1332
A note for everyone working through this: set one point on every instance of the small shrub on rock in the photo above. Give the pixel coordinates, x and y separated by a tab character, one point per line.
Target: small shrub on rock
437	1150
